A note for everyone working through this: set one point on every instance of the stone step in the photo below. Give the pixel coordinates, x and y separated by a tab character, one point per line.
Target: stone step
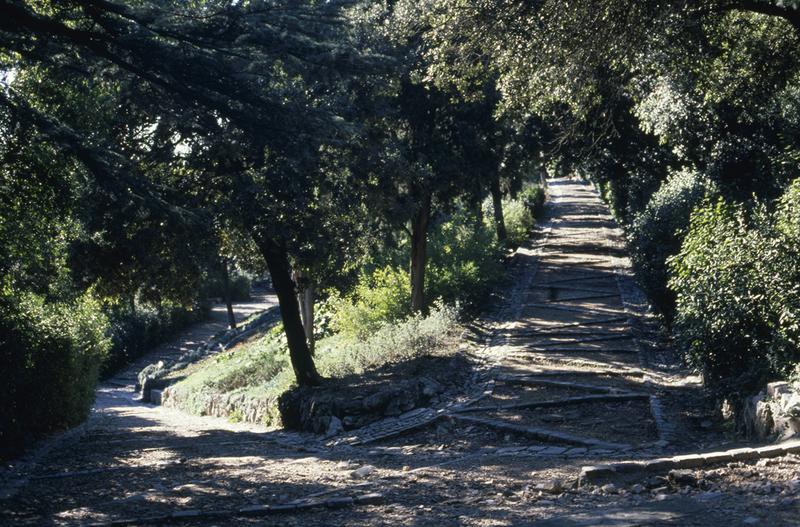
540	349
638	468
541	434
584	340
536	381
600	398
572	288
584	311
544	329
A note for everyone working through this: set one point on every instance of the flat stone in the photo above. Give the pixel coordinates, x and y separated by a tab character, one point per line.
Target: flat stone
372	498
791	447
254	510
628	467
609	488
509	450
192	513
659	464
716	457
683	477
775	389
305	504
687	461
743	454
553	451
770	451
594	473
339	503
286	507
363	472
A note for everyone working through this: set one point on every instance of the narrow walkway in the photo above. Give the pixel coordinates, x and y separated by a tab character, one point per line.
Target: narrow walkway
572	375
120	388
572	370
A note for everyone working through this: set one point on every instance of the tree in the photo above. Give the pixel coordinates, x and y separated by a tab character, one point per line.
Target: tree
241	80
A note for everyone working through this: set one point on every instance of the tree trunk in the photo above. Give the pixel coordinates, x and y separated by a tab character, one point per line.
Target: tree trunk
278	263
497	205
478	216
228	303
419	253
305	297
308	314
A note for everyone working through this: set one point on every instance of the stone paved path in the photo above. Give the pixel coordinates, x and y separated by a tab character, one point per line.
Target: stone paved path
572	374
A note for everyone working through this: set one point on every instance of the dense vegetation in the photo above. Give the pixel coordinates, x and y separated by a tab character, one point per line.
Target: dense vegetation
369	325
372	157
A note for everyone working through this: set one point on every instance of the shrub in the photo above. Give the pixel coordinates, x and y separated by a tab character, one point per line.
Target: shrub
51	354
256	373
392	342
519	214
533	196
657	232
519	221
783	282
380	297
722	316
465	262
737	277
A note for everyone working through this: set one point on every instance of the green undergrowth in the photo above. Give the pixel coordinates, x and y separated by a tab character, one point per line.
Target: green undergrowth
244	383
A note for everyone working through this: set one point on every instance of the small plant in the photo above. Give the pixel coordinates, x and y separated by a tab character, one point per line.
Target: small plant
236	416
519	221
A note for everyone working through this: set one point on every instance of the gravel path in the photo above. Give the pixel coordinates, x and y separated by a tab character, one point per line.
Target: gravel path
574	374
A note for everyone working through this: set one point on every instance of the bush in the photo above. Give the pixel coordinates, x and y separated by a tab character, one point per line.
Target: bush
380	297
657	232
737	278
533	196
253	375
519	214
519	221
51	354
783	283
391	342
722	315
465	262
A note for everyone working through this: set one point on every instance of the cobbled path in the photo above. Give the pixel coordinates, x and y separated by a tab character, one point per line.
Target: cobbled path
569	371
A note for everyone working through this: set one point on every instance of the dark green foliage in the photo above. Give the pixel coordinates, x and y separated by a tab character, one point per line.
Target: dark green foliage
656	233
240	285
465	261
736	279
51	354
533	196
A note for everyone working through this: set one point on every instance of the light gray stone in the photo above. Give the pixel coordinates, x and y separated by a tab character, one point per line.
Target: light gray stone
363	472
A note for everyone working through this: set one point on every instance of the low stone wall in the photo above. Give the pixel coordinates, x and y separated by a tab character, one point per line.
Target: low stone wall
773	414
327	411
